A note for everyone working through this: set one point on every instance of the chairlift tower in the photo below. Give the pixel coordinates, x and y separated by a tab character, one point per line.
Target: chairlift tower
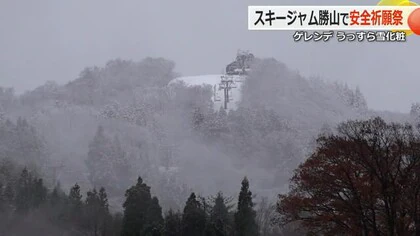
226	84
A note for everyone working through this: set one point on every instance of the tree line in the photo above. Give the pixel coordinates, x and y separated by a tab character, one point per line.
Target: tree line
27	197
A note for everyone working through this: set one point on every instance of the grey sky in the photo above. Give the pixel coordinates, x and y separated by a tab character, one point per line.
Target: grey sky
55	39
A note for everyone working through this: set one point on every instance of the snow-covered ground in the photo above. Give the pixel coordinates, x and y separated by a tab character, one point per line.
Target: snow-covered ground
215	82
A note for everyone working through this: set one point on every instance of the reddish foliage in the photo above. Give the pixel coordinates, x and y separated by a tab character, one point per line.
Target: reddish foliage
364	180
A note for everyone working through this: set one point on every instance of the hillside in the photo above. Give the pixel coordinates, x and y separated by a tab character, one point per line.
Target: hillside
174	136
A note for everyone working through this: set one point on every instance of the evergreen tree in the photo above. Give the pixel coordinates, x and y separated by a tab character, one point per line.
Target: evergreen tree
96	212
103	200
92	213
57	204
142	214
415	112
207	209
116	225
173	224
27	147
75	197
99	160
8	195
194	217
120	164
57	196
197	119
75	204
39	193
245	217
30	192
23	197
8	175
154	218
219	217
108	163
359	99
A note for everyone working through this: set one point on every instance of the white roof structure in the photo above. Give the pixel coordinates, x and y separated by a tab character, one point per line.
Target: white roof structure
218	92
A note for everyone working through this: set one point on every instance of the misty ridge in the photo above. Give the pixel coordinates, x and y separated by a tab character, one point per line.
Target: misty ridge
121	121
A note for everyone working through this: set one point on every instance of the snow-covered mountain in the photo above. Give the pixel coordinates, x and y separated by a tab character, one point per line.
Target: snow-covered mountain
215	81
275	115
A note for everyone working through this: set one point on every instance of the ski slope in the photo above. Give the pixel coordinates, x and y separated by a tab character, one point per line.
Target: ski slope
218	93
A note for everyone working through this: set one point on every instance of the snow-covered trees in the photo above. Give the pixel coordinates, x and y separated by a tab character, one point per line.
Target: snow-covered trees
249	133
303	102
21	142
95	86
8	99
99	161
352	98
108	163
50	91
171	135
415	112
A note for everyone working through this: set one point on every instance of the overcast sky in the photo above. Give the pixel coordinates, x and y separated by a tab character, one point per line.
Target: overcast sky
55	39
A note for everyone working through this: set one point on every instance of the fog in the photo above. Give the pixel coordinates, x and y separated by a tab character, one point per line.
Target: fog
55	40
94	104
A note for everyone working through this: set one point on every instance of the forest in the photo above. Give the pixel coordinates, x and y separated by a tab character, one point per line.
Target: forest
117	151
